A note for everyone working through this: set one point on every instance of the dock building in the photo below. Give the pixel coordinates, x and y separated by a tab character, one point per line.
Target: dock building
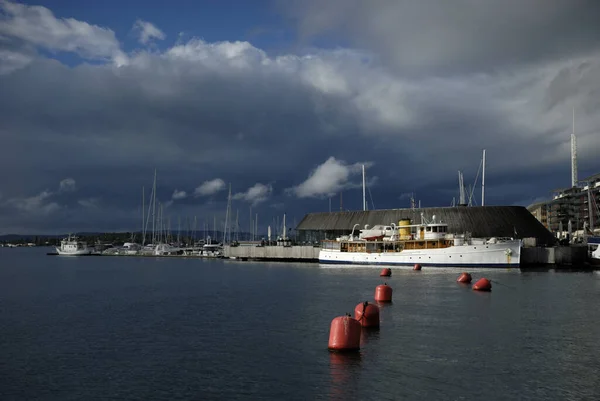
577	207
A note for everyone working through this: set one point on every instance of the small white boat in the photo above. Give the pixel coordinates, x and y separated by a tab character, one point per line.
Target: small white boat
131	248
71	246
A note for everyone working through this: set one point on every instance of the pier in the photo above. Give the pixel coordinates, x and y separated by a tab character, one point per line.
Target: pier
293	253
571	255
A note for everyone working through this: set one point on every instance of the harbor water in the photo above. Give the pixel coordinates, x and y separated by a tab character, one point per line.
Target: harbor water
100	328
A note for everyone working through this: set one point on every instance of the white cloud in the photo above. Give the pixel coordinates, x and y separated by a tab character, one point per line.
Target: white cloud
256	194
328	179
38	25
178	195
147	31
90	203
37	204
67	185
209	187
11	60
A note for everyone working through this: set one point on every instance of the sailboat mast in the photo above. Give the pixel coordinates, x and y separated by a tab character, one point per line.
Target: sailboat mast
154	209
364	187
483	181
237	227
227	233
195	229
143	215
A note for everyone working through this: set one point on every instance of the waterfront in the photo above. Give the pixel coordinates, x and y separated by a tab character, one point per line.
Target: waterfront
178	328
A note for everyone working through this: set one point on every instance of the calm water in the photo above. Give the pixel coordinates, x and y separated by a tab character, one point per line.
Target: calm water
165	329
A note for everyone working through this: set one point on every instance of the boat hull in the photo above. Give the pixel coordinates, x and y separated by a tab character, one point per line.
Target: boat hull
79	252
505	254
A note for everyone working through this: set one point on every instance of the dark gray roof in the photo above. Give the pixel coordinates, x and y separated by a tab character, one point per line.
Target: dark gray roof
481	221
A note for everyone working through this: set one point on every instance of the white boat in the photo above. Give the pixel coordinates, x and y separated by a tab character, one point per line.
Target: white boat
595	256
594	250
71	246
131	248
427	244
166	250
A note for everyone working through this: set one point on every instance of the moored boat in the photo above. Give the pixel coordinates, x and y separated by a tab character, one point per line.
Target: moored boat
427	244
71	246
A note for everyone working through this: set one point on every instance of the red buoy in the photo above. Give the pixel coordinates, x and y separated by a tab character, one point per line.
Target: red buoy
483	284
383	293
367	314
387	272
464	278
417	267
344	334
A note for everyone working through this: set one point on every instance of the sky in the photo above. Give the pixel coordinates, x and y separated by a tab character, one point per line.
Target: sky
284	102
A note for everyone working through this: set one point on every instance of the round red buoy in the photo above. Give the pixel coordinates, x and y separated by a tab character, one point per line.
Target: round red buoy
417	267
483	284
344	334
387	272
464	278
383	293
367	314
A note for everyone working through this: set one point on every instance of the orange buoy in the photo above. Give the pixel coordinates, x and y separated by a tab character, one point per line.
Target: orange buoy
464	278
344	334
417	267
387	272
383	293
483	284
367	314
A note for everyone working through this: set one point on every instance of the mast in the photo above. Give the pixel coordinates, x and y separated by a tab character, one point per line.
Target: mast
461	189
256	227
573	154
483	181
284	231
251	225
364	187
154	209
227	233
591	210
237	227
143	215
195	229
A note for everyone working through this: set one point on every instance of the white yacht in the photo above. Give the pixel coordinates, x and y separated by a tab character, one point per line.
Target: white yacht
71	246
428	244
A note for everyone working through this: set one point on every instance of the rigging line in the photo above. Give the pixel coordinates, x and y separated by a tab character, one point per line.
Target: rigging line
475	183
371	196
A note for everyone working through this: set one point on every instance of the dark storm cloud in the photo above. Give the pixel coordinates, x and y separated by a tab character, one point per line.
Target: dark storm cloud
286	132
454	36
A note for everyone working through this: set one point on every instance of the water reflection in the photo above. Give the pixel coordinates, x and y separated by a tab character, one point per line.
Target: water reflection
369	334
344	368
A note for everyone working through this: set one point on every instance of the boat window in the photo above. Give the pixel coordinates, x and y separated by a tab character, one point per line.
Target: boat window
435	229
428	229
